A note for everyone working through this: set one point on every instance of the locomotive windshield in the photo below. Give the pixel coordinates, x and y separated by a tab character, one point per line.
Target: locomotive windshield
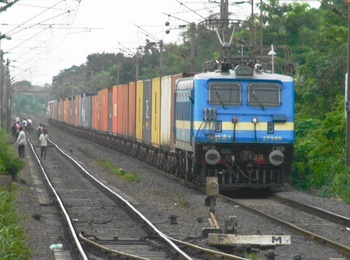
221	93
264	95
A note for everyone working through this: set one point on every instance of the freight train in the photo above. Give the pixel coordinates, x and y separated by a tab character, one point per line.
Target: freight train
234	123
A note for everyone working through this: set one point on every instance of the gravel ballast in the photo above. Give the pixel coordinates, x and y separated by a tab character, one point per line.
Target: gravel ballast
160	199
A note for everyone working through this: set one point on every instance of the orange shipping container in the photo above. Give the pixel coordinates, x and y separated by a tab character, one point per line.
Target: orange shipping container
66	111
131	131
115	110
76	110
122	109
110	110
95	112
103	124
60	110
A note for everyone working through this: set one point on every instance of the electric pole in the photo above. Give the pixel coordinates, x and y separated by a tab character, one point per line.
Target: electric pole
8	97
1	90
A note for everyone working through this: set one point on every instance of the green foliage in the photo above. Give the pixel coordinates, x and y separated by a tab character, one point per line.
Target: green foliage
100	81
249	255
128	176
12	238
319	150
341	185
182	202
10	164
25	106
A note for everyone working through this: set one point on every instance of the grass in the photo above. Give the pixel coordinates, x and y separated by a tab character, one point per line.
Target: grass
182	202
249	255
128	176
12	237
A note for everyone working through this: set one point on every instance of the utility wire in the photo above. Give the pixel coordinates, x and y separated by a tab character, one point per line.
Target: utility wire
190	9
164	44
35	16
48	26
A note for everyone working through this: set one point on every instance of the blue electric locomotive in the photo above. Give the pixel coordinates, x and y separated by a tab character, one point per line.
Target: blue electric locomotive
237	125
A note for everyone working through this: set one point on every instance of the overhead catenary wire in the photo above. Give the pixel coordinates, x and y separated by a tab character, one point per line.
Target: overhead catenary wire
24	28
164	44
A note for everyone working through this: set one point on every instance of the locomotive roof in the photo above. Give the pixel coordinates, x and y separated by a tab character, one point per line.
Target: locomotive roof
232	75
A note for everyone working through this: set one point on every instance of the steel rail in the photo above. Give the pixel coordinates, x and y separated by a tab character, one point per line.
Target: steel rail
114	196
67	217
222	256
331	216
312	236
129	256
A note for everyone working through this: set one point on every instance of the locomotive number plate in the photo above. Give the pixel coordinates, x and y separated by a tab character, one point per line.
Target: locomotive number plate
272	138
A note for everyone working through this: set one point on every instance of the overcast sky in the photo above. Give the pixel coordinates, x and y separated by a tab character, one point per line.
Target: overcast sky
48	36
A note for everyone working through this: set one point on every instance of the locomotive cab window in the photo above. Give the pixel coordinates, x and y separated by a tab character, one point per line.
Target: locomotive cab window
224	94
264	95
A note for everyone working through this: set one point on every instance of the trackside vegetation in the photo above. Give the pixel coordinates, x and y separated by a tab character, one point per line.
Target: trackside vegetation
10	164
121	173
12	238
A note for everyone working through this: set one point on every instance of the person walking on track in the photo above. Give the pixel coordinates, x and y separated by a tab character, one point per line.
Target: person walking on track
43	139
21	141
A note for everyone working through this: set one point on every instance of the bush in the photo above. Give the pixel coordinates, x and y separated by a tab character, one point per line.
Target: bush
10	164
12	238
341	185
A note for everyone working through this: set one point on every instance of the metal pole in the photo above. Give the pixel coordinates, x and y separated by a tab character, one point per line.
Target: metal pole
348	96
192	54
252	38
161	58
8	97
1	89
261	31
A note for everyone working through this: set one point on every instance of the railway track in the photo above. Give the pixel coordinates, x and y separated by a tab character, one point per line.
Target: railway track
260	207
314	223
98	216
102	223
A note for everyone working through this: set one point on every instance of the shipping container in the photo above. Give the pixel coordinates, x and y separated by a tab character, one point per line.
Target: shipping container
165	114
155	112
95	112
110	111
131	131
139	110
60	110
147	111
115	110
103	126
71	111
76	110
123	110
52	109
85	109
66	109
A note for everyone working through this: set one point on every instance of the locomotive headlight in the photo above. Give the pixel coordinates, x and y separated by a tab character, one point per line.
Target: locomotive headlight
212	157
276	157
254	120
